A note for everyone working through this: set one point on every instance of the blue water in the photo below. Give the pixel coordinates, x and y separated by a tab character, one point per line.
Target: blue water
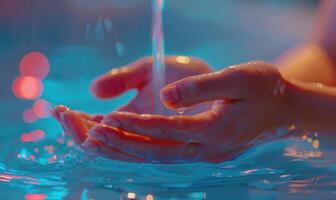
89	39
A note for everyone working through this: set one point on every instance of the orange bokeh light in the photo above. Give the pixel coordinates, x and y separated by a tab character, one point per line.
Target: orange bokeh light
41	108
35	64
27	87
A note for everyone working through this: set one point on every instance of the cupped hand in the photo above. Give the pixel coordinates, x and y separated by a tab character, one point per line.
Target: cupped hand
251	101
138	76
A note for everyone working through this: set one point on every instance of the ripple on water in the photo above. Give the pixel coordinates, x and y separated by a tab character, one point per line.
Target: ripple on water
267	167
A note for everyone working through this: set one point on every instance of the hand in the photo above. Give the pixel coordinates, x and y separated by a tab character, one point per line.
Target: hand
138	75
250	101
135	76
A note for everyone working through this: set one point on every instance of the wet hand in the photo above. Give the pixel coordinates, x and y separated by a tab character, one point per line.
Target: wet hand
137	75
250	101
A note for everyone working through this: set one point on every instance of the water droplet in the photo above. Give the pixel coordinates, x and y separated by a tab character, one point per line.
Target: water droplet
108	24
120	49
181	111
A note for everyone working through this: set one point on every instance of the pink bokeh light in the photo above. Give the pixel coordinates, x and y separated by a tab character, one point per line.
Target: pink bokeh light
29	116
35	64
27	87
35	196
42	108
33	136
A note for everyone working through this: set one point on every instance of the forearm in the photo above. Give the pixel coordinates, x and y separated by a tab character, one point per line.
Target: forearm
314	61
325	29
313	106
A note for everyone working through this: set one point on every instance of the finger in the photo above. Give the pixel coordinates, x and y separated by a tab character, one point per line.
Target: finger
117	81
149	149
94	118
232	83
129	108
179	128
75	126
109	152
56	112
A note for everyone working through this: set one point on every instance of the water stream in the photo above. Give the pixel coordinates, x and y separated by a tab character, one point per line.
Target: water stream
158	52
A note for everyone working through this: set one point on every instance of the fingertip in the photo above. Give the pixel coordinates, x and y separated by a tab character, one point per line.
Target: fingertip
97	89
74	126
108	85
171	96
57	111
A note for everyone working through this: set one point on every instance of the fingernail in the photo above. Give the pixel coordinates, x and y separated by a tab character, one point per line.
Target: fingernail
171	94
111	122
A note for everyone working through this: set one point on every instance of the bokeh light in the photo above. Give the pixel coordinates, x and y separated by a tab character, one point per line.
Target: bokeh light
35	196
41	108
33	136
29	116
35	64
27	87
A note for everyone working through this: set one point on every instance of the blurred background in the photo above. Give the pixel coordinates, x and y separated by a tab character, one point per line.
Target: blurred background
51	50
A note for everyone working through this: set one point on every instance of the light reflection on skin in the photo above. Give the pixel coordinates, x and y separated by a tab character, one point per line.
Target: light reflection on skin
183	59
114	71
124	69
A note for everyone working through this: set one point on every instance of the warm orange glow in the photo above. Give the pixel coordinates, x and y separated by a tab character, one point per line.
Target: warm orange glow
131	195
149	197
29	116
27	87
41	108
183	59
35	64
33	136
35	196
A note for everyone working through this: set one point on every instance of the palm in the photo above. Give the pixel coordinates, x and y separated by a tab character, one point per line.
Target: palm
243	113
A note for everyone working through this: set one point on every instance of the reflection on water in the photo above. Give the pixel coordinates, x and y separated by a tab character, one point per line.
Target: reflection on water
55	170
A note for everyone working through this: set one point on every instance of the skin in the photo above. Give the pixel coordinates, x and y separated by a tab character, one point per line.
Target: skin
250	102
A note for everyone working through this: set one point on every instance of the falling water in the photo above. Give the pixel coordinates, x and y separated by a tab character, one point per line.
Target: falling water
158	53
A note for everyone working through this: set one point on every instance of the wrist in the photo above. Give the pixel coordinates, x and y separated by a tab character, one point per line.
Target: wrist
312	106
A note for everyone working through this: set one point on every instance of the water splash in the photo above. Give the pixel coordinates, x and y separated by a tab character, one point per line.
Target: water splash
158	75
